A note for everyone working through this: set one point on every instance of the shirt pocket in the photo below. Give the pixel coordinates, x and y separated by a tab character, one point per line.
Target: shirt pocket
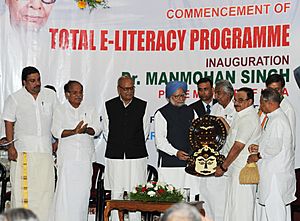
46	109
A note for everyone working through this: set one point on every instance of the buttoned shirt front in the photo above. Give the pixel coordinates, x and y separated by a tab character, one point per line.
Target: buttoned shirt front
32	119
81	146
245	129
227	113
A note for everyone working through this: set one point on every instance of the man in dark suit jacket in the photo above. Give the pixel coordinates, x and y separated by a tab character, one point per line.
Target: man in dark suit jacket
205	92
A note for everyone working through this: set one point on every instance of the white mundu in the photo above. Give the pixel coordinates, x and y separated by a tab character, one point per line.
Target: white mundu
245	129
74	161
213	189
32	120
277	184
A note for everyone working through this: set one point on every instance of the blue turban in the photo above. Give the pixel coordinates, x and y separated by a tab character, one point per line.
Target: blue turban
173	86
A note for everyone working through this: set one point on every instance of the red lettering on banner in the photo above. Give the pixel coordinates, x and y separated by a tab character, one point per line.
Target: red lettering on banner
172	40
64	39
53	32
103	40
161	93
225	11
237	37
74	33
80	39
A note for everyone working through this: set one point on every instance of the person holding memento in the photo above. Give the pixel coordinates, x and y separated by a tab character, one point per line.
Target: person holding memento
225	106
172	123
216	186
206	93
245	130
276	156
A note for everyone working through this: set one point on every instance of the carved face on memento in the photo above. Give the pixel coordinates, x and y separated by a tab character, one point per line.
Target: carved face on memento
206	160
207	136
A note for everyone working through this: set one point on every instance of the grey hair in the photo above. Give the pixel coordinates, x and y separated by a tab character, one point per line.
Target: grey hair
181	211
270	94
127	76
18	214
226	86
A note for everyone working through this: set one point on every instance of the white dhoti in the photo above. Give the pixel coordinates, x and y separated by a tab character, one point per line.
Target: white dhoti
40	182
123	175
274	208
240	198
213	193
72	193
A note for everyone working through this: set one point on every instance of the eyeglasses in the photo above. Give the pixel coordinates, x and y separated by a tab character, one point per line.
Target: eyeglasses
127	89
240	100
75	93
179	96
48	2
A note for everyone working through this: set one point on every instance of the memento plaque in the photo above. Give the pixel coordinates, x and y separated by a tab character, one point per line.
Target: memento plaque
207	136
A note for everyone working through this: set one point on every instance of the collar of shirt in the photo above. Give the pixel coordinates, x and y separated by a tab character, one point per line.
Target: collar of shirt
274	113
125	105
205	104
246	111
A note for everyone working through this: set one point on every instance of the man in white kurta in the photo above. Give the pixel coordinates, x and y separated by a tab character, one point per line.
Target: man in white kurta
244	131
277	82
28	116
277	186
213	189
74	155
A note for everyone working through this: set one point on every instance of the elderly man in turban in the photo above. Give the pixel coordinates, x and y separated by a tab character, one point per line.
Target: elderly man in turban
172	123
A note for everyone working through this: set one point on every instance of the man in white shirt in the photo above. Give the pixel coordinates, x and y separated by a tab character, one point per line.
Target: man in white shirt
28	117
213	189
277	185
276	81
75	124
244	131
225	107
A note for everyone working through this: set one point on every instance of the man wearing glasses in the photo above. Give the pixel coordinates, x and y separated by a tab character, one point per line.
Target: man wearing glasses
126	127
244	131
172	123
29	14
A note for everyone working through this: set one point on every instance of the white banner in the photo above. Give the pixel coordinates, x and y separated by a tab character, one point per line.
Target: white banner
155	41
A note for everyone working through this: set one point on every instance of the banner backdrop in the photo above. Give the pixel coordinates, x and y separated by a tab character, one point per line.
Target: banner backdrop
154	41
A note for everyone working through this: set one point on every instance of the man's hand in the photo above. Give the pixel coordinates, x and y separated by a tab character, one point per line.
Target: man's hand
181	155
12	153
253	158
219	172
3	140
253	148
80	128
